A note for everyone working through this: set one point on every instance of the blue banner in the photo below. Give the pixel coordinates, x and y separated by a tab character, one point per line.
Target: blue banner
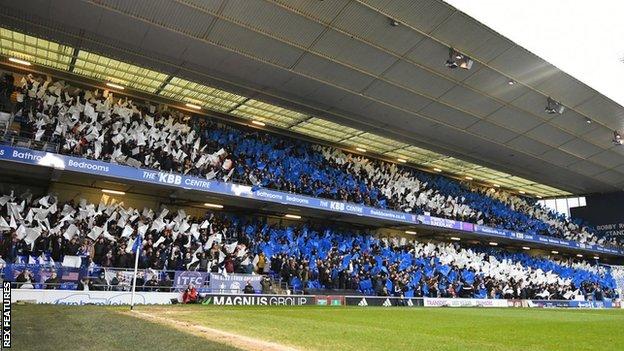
446	223
198	279
67	276
571	304
74	164
234	283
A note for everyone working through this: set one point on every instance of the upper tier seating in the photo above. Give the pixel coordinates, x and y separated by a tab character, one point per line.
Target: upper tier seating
96	125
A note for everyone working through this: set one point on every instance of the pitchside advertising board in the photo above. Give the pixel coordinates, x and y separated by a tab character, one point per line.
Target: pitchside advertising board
233	283
76	297
444	302
330	300
572	304
258	300
73	297
100	168
380	301
206	282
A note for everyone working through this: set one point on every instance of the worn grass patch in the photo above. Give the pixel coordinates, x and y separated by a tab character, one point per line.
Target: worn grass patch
78	328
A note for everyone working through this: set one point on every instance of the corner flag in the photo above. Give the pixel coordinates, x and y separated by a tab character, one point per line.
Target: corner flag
136	248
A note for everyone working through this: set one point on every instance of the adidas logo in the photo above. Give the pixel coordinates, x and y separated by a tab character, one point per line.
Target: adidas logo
207	301
387	303
410	303
363	302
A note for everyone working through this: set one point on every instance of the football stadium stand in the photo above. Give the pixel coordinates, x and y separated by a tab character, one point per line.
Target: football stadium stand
373	154
305	256
83	244
95	125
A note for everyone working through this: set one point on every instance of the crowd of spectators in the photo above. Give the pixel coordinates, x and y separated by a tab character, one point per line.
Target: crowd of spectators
305	256
97	125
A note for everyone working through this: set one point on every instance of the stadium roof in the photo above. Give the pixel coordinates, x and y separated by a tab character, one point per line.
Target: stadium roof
341	71
560	28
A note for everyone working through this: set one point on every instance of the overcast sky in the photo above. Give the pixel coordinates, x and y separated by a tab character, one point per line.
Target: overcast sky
584	38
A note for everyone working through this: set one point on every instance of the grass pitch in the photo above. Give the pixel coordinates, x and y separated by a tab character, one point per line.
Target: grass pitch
42	327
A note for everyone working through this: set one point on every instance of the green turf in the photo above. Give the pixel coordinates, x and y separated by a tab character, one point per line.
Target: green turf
78	328
324	328
341	328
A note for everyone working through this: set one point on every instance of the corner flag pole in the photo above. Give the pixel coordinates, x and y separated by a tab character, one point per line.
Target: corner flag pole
136	247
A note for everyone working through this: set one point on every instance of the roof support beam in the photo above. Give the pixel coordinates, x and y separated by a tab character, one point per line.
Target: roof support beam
163	85
238	105
72	63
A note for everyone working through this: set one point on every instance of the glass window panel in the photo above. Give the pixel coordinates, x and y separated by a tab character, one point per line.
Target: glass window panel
382	140
551	204
409	153
409	157
330	127
355	143
315	134
254	109
36	50
208	97
106	69
562	205
582	201
334	133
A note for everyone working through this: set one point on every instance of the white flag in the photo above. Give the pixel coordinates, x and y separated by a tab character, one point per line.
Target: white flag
70	232
127	231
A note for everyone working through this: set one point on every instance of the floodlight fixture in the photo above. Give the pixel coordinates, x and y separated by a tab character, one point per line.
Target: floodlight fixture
457	59
553	107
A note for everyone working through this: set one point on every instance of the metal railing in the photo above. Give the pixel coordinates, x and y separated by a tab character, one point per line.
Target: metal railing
102	279
92	286
29	143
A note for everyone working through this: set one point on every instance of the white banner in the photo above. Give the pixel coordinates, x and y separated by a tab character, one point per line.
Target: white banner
445	302
74	297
